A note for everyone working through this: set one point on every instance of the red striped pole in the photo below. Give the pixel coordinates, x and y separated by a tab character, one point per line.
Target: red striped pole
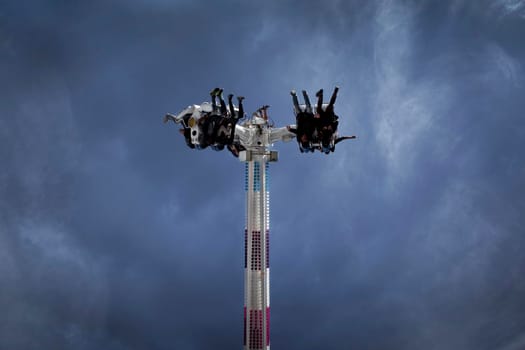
256	258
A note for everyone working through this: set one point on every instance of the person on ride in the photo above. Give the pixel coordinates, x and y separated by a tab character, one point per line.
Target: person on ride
235	115
234	147
221	127
217	92
327	121
305	125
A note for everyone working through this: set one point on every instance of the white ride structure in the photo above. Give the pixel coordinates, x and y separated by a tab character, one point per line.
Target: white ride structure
257	136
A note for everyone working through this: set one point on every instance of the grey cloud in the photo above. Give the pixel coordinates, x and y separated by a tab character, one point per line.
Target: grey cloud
114	235
510	7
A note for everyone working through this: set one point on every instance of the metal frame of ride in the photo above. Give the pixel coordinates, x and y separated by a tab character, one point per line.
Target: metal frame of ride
252	140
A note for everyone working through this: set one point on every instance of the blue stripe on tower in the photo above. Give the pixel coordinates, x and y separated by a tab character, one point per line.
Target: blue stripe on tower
245	248
256	177
246	177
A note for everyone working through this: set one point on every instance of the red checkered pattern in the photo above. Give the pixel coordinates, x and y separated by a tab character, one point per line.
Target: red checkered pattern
256	331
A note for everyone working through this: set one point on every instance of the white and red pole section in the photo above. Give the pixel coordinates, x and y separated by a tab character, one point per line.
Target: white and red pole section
256	253
256	135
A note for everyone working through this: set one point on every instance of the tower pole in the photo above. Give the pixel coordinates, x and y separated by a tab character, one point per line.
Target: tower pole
256	252
252	142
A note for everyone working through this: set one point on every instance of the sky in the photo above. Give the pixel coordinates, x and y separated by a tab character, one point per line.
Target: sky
115	235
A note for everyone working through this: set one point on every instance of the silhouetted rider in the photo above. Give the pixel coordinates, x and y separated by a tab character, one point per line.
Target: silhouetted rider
220	129
319	130
305	123
327	121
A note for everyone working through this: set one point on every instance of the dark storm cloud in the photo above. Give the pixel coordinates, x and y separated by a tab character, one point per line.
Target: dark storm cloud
114	235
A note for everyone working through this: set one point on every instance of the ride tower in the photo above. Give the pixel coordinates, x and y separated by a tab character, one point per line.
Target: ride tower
256	252
252	141
257	137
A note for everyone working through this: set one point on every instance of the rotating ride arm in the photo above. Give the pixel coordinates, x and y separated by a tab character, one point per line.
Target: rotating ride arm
282	134
342	138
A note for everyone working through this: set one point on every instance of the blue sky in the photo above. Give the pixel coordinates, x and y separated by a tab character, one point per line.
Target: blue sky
115	235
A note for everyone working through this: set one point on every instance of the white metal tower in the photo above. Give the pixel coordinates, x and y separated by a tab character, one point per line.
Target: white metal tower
256	255
257	137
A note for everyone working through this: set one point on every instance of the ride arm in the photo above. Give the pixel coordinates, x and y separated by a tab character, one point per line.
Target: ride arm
242	134
342	138
282	134
292	129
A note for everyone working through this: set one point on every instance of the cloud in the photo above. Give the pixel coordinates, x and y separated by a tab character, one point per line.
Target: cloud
509	7
498	9
54	283
405	109
501	65
407	236
516	344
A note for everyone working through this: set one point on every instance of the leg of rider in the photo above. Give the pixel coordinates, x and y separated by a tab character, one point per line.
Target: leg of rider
330	108
223	104
230	104
295	102
241	108
265	112
307	102
319	96
213	103
239	116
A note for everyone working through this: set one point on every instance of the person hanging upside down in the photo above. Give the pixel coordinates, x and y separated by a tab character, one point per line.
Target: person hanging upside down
221	128
305	124
319	130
